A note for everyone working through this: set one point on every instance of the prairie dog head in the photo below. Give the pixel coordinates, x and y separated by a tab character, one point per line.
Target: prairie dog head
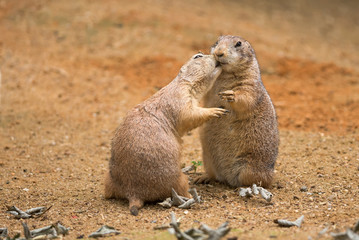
234	53
200	72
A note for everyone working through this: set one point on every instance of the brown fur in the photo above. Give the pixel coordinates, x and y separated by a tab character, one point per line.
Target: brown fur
146	148
242	148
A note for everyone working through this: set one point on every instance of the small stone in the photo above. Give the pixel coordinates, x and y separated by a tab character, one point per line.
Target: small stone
304	189
188	169
232	238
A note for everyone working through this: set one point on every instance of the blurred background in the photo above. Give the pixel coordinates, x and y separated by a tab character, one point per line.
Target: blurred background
63	52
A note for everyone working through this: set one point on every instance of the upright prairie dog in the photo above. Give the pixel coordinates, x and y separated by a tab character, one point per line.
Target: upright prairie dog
242	148
146	148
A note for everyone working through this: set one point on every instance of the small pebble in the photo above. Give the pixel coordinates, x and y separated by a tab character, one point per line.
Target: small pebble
304	189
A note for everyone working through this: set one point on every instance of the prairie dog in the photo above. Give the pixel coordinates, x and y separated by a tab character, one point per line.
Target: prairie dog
146	148
242	148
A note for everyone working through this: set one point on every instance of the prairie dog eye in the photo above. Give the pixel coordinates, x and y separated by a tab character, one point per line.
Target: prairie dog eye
198	56
238	44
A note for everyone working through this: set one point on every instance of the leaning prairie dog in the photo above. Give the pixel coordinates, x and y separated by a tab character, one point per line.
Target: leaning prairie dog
242	148
146	148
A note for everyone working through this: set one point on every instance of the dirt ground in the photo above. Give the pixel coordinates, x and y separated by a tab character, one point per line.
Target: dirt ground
72	69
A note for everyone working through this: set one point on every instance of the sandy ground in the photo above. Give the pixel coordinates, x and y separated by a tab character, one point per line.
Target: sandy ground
72	69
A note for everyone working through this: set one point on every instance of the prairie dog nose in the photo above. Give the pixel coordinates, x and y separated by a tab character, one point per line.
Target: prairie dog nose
220	52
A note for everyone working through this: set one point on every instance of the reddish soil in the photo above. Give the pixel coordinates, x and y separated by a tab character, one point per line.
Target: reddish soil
72	69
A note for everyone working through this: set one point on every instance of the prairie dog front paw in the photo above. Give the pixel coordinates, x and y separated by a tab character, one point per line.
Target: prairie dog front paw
227	95
218	112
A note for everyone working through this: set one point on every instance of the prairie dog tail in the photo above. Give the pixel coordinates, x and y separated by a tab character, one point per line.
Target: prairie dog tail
135	205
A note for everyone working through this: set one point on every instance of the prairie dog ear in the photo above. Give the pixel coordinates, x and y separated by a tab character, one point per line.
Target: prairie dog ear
198	55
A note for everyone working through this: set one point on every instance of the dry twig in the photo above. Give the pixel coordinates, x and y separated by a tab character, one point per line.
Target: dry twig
103	231
350	234
181	202
254	190
204	232
48	232
30	213
286	223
